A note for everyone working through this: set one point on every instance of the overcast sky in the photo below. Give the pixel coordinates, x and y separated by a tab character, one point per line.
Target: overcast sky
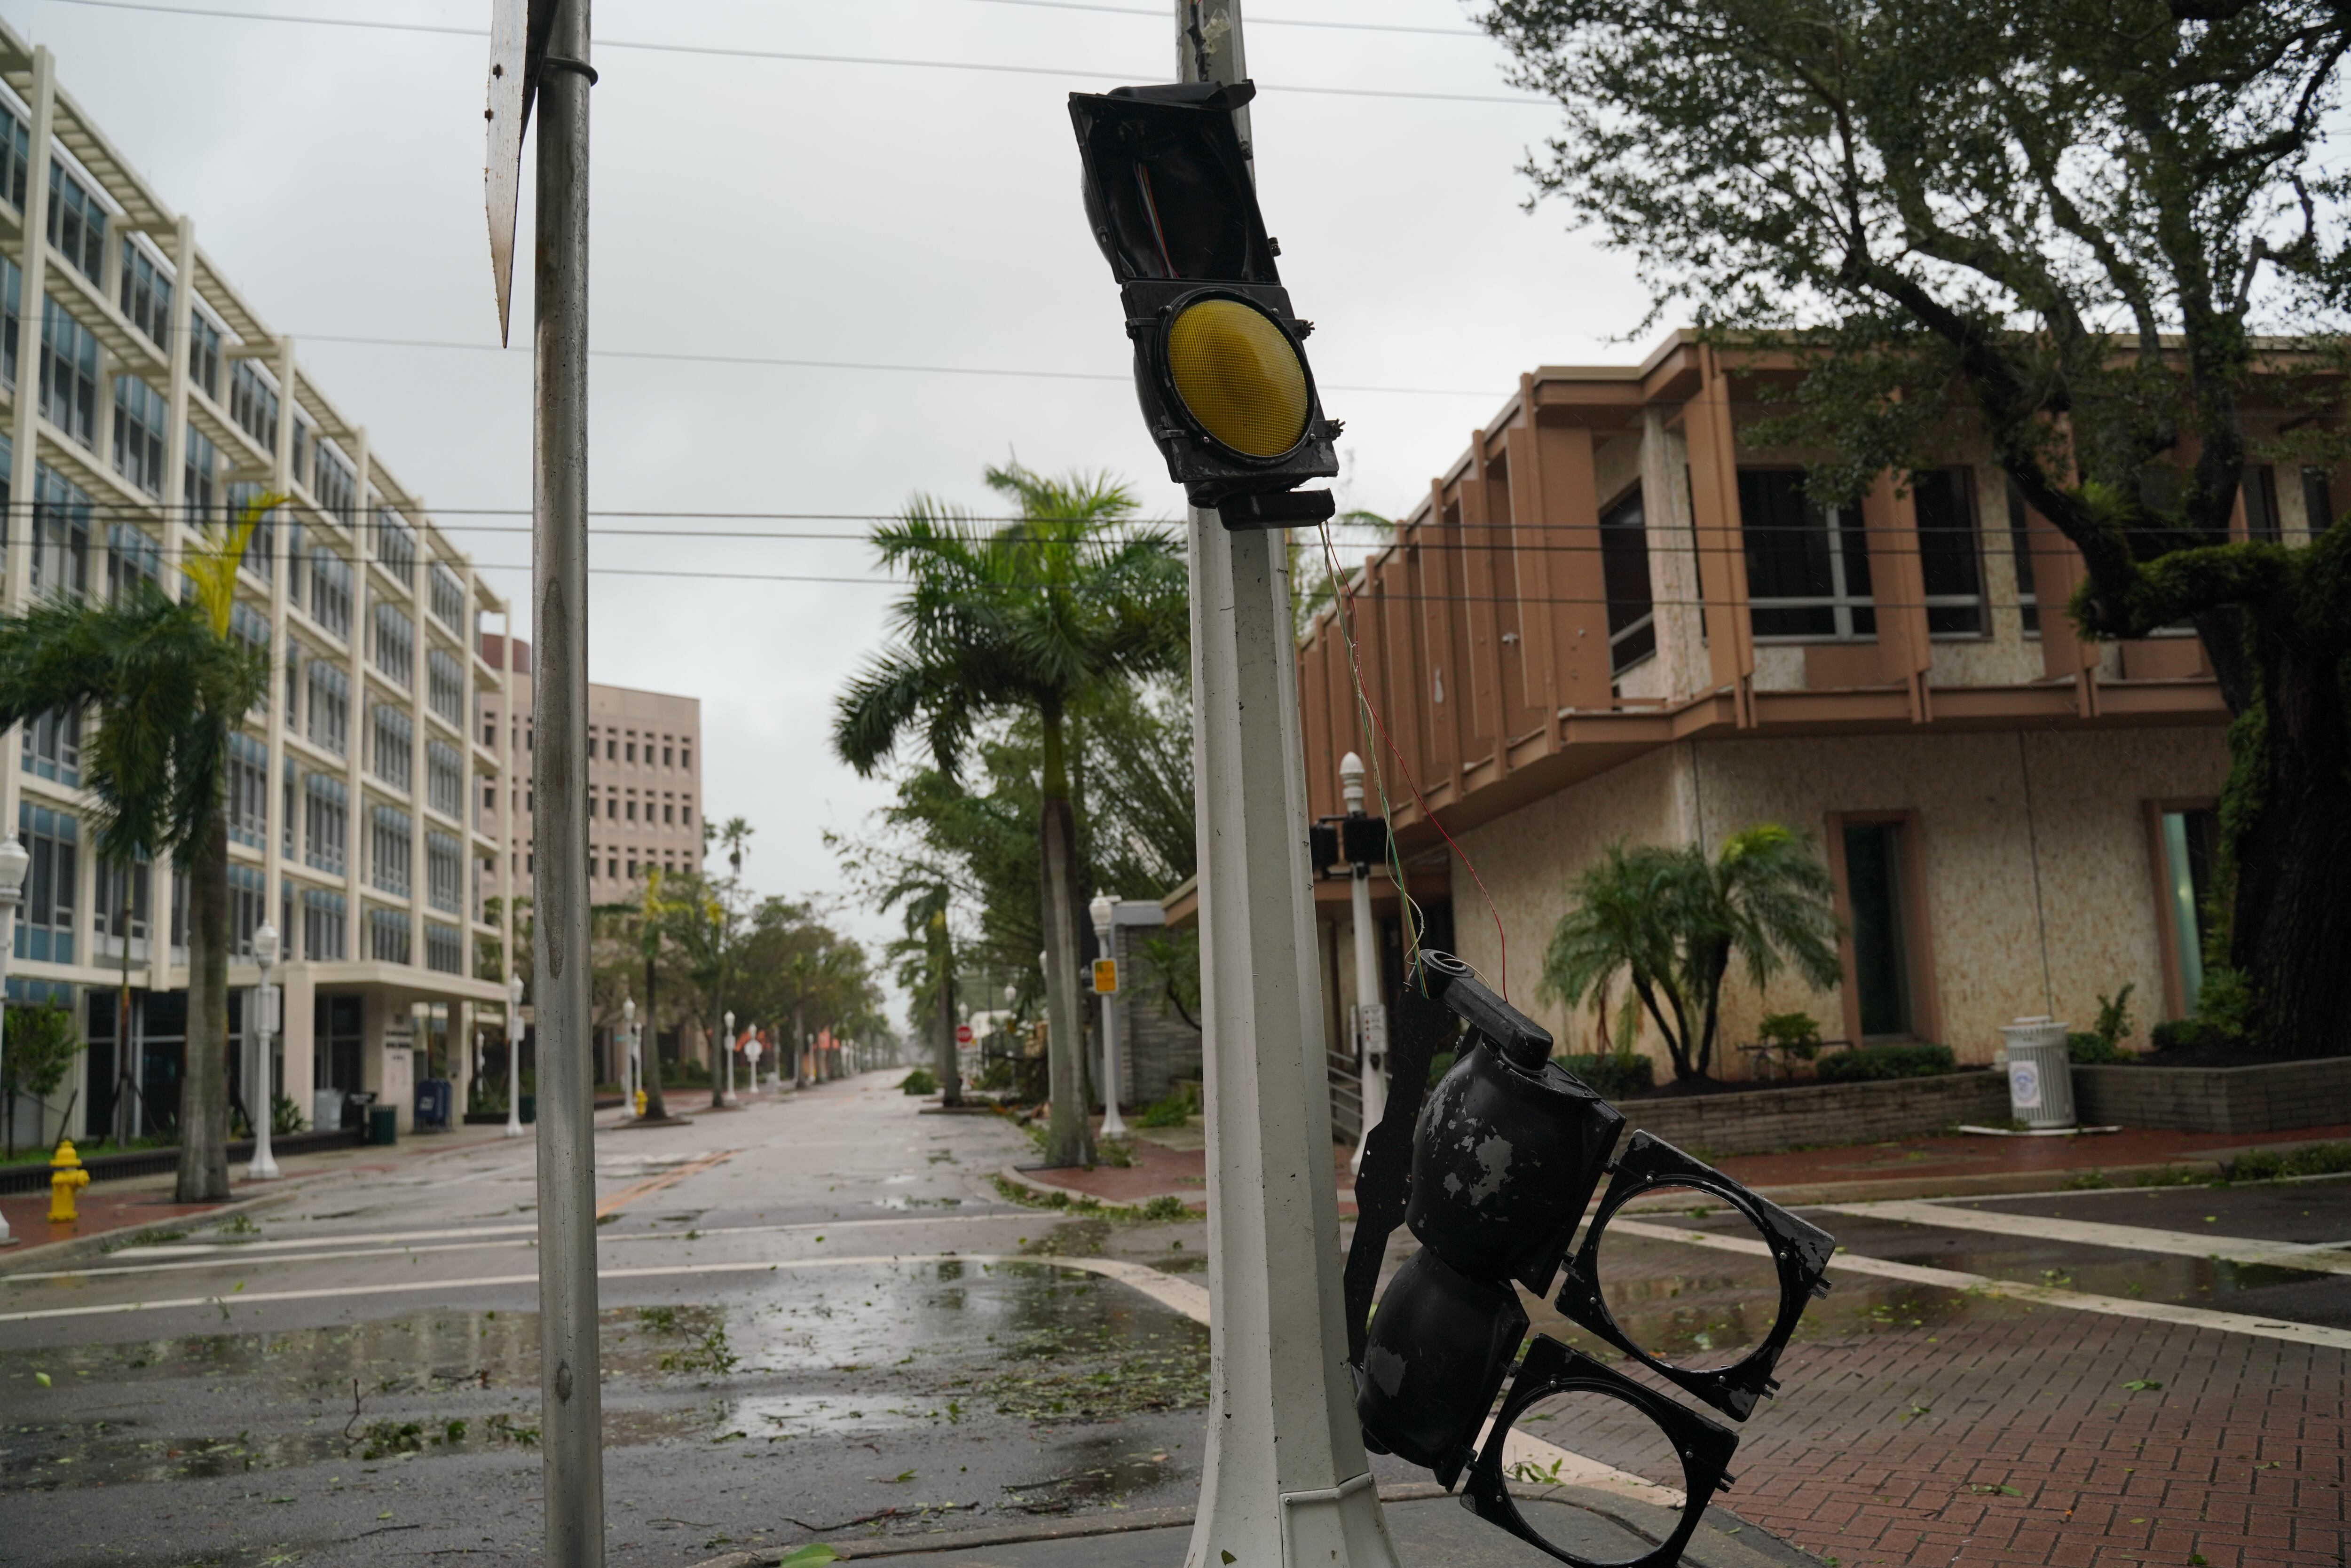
756	207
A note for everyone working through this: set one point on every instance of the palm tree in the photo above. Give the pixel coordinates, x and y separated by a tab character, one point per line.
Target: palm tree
1672	921
168	683
1028	616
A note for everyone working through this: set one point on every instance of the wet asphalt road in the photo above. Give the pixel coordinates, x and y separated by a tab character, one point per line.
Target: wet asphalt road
800	1332
820	1318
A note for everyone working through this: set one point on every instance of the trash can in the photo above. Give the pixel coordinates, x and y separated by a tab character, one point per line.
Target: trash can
355	1109
384	1124
2040	1074
326	1110
529	1107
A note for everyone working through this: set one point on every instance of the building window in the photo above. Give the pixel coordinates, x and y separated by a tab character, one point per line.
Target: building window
121	897
1625	569
632	751
2191	848
326	819
146	295
444	684
1807	566
330	707
196	477
15	157
323	923
249	626
2260	490
1874	878
387	935
45	921
76	223
686	757
448	598
249	907
445	871
445	949
1951	557
131	558
289	811
12	316
330	592
204	352
2317	493
253	403
393	649
68	373
248	791
2019	550
391	754
395	544
139	422
53	746
444	777
334	484
61	534
391	851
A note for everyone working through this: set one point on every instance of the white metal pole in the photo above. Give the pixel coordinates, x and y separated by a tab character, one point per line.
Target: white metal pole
13	861
571	1393
1371	1017
514	1055
730	1059
1285	1480
263	1165
1104	910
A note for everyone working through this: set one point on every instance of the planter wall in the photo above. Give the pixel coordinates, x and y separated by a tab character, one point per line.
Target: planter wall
2272	1098
1770	1119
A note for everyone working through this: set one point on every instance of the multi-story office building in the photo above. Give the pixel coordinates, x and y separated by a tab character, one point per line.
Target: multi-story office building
644	781
144	401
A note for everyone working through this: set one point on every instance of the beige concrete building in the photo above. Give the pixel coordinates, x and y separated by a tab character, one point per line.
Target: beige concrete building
644	781
1614	618
144	398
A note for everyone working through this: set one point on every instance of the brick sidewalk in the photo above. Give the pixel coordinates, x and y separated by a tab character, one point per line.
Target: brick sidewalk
1908	1167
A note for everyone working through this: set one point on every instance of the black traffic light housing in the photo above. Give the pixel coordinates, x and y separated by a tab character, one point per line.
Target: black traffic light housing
1170	201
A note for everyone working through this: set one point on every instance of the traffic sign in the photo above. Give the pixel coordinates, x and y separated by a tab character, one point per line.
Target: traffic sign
1105	976
963	1034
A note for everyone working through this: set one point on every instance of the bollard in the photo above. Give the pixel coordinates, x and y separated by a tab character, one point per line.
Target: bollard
66	1178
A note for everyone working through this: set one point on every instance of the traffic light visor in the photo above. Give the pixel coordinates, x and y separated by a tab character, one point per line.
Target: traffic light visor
1240	376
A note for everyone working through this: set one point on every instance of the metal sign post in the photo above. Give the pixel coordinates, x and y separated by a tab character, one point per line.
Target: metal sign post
545	43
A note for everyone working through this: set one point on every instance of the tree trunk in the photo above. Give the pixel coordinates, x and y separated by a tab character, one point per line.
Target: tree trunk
204	1087
720	1045
1070	1137
2288	821
949	1070
800	1033
649	1054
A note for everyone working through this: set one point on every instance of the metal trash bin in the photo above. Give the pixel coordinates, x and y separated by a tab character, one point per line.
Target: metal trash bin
326	1110
384	1124
2039	1074
355	1109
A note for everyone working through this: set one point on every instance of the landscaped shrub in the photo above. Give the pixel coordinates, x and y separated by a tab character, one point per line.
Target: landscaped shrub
2093	1050
1173	1112
2192	1034
1797	1034
1868	1063
2312	1159
919	1082
1615	1076
2102	1041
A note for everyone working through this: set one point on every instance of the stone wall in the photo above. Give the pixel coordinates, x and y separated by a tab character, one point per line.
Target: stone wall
2267	1099
1773	1119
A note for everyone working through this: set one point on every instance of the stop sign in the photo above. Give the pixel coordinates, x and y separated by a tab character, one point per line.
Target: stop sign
963	1034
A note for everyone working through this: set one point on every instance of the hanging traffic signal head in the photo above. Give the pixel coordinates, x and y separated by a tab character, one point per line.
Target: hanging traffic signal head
1219	366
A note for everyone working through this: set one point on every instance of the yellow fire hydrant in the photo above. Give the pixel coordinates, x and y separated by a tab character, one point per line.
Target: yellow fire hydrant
640	1102
65	1177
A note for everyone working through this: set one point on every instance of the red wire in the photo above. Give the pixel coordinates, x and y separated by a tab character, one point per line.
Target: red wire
1345	596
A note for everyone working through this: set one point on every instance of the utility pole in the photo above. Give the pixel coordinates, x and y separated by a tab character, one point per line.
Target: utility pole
539	49
1285	1480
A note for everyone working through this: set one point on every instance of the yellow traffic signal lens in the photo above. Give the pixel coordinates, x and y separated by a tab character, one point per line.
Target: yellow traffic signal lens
1238	376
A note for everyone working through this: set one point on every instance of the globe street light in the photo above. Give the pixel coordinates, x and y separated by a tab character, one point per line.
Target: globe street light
263	1106
14	861
730	1057
514	1056
751	1049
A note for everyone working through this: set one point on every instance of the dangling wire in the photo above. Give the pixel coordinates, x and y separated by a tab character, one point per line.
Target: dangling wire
1367	715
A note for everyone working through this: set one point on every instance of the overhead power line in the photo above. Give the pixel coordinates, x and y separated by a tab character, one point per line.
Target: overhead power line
681	358
794	56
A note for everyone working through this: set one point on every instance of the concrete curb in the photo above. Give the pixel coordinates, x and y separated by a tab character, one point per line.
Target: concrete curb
1191	1198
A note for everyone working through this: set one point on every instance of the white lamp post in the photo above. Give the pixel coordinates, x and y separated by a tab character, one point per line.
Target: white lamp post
751	1049
633	1071
730	1057
1371	1014
14	861
263	1104
1104	909
514	1056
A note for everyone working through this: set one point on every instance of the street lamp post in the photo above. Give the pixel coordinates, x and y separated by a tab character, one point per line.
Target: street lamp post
1371	1018
730	1058
633	1071
263	1104
514	1056
751	1050
1104	909
14	860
